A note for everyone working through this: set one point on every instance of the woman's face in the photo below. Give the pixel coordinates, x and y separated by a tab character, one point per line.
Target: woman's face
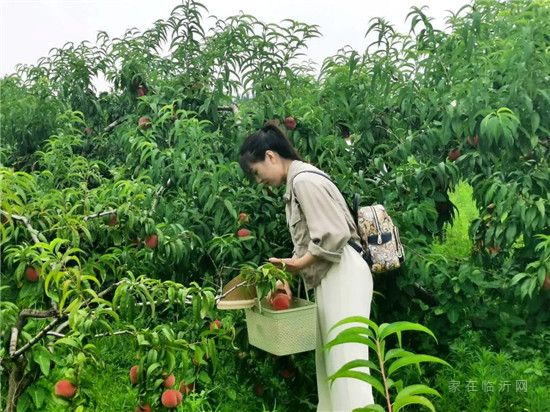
269	171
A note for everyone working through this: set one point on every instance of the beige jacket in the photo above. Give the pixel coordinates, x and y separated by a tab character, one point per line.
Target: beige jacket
318	219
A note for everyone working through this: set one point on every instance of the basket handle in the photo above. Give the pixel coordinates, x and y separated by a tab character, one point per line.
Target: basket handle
300	287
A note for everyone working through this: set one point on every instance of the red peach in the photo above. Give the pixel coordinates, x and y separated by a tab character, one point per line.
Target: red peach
142	90
454	154
259	389
144	122
216	324
473	141
152	241
243	233
287	373
243	217
171	398
281	301
65	389
186	388
290	123
143	408
169	381
31	274
134	374
112	220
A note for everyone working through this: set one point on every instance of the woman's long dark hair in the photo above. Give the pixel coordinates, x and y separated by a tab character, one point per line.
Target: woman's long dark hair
269	137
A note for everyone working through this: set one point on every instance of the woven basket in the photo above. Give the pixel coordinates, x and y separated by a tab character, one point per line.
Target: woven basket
283	332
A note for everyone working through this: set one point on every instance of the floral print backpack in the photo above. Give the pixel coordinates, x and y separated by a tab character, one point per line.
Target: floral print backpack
380	238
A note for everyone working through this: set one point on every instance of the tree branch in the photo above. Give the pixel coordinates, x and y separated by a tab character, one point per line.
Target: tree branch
99	214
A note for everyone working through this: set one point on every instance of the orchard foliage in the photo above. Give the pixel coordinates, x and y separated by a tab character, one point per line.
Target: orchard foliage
132	226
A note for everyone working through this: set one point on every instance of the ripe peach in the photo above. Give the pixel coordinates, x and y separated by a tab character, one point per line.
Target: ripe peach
144	122
186	388
243	217
473	141
259	389
65	389
142	90
169	381
287	373
290	123
243	233
454	154
171	398
216	324
143	408
112	220
152	241
31	274
134	374
280	301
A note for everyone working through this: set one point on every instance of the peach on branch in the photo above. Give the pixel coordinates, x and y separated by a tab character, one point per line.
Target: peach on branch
152	241
290	123
216	324
453	154
134	370
171	398
65	389
31	274
185	388
144	122
243	232
169	381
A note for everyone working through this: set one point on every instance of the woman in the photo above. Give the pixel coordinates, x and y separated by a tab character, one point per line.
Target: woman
320	225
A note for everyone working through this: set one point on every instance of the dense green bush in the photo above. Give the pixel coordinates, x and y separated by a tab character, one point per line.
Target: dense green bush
127	205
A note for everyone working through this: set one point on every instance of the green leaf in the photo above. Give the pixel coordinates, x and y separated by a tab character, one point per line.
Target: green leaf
38	395
413	400
388	329
345	337
69	342
365	377
414	359
230	208
415	390
152	368
356	319
396	353
359	363
370	408
43	358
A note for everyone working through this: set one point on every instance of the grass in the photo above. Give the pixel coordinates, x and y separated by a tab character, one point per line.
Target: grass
458	244
112	389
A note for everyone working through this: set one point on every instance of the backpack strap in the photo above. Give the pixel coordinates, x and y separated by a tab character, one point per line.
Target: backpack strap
355	206
329	179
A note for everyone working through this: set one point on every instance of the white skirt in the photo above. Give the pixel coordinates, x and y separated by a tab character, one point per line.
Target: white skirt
346	290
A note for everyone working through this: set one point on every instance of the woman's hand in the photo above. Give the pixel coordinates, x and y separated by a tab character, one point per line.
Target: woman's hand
294	264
